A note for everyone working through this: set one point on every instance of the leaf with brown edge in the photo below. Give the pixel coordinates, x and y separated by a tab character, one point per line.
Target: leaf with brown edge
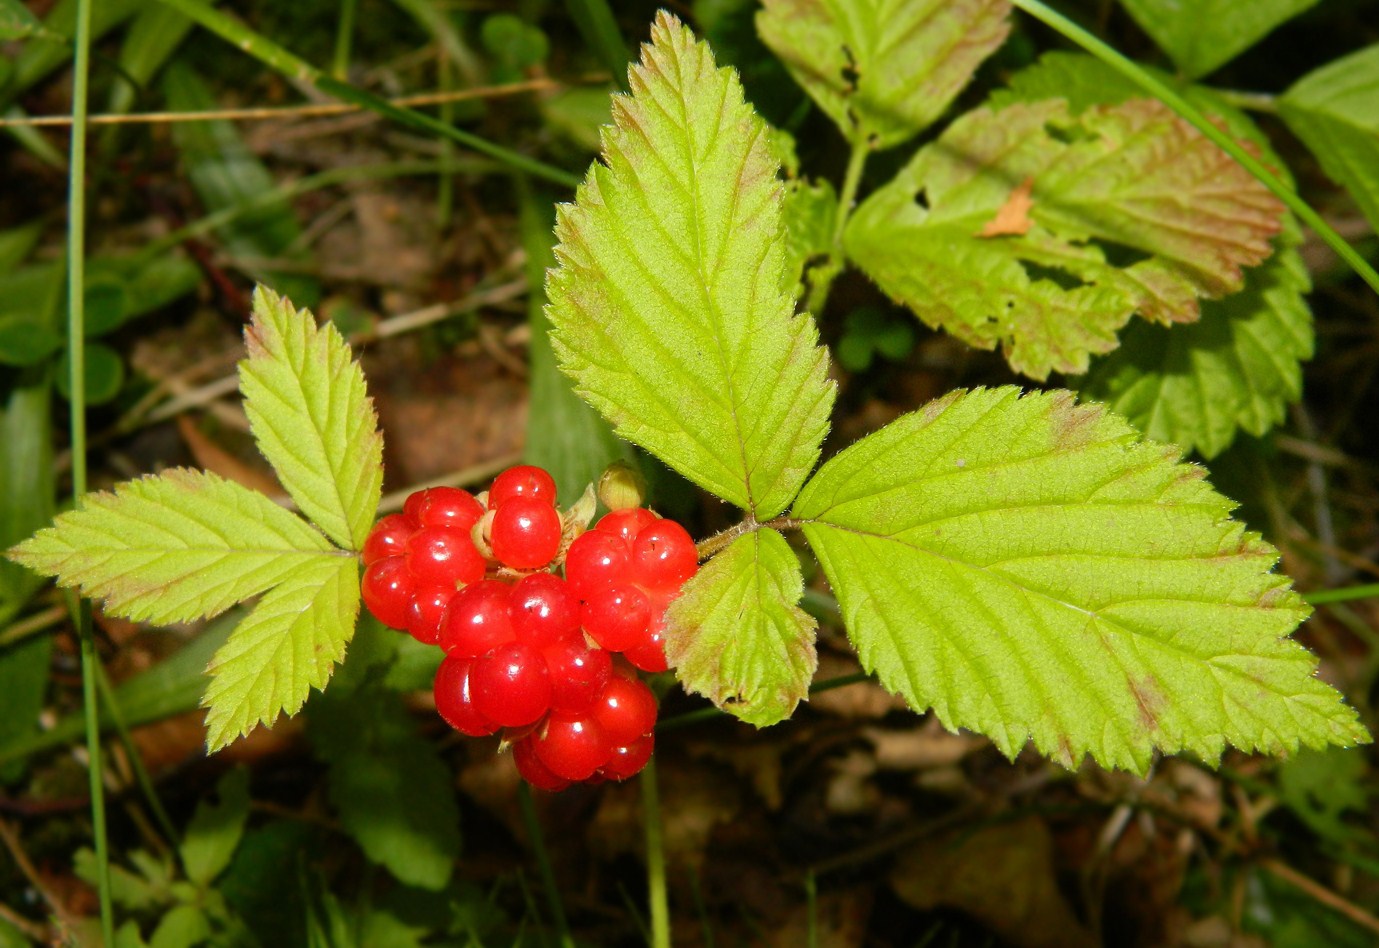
1133	211
883	70
736	634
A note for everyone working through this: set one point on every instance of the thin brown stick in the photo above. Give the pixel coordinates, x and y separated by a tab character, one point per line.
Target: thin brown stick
1321	894
26	866
283	112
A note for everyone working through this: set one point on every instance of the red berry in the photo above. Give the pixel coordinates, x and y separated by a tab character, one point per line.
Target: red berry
479	619
521	481
440	556
532	770
627	523
628	760
445	507
525	533
625	711
649	656
663	556
454	701
387	589
387	538
511	685
595	560
427	612
544	610
617	616
578	675
572	747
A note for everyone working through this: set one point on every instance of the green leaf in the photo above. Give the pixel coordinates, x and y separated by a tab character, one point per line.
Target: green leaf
883	70
736	635
130	891
16	243
16	22
565	436
184	926
26	484
1236	369
216	828
394	792
1335	111
1032	570
1008	230
23	686
24	342
811	214
180	546
1206	34
103	372
286	646
671	302
312	417
1321	787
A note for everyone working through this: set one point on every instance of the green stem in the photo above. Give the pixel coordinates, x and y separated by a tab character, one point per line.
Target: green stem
1193	116
136	762
852	180
76	335
708	714
1324	597
271	54
344	39
595	22
655	859
543	863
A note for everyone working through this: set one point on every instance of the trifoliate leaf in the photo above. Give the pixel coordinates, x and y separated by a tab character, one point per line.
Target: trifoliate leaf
883	70
286	646
1335	111
736	636
180	546
671	302
1206	34
1129	183
1032	570
1237	368
313	418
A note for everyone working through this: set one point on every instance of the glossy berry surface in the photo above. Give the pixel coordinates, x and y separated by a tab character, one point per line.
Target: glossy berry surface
544	610
533	770
444	507
595	560
524	480
625	711
617	616
572	746
441	556
663	556
454	701
511	685
628	760
578	675
388	538
426	612
387	590
478	620
525	533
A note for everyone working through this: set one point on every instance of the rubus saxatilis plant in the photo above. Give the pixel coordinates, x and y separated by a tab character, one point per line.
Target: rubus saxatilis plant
1023	565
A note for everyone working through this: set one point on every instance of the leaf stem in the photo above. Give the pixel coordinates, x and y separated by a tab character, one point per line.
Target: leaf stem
271	54
76	359
1324	597
655	858
1193	116
543	863
828	272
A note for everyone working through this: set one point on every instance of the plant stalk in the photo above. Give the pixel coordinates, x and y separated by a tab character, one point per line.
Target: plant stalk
543	863
76	351
1194	117
828	272
655	858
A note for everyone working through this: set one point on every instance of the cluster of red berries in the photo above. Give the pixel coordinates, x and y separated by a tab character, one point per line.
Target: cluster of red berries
527	650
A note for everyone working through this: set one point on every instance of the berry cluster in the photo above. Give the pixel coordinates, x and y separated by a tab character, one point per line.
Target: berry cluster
527	650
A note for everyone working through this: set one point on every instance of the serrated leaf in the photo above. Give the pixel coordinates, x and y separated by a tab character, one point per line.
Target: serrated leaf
216	828
180	546
312	417
1206	34
1335	111
286	646
1236	369
736	635
16	22
1130	179
883	70
1032	570
671	303
811	214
